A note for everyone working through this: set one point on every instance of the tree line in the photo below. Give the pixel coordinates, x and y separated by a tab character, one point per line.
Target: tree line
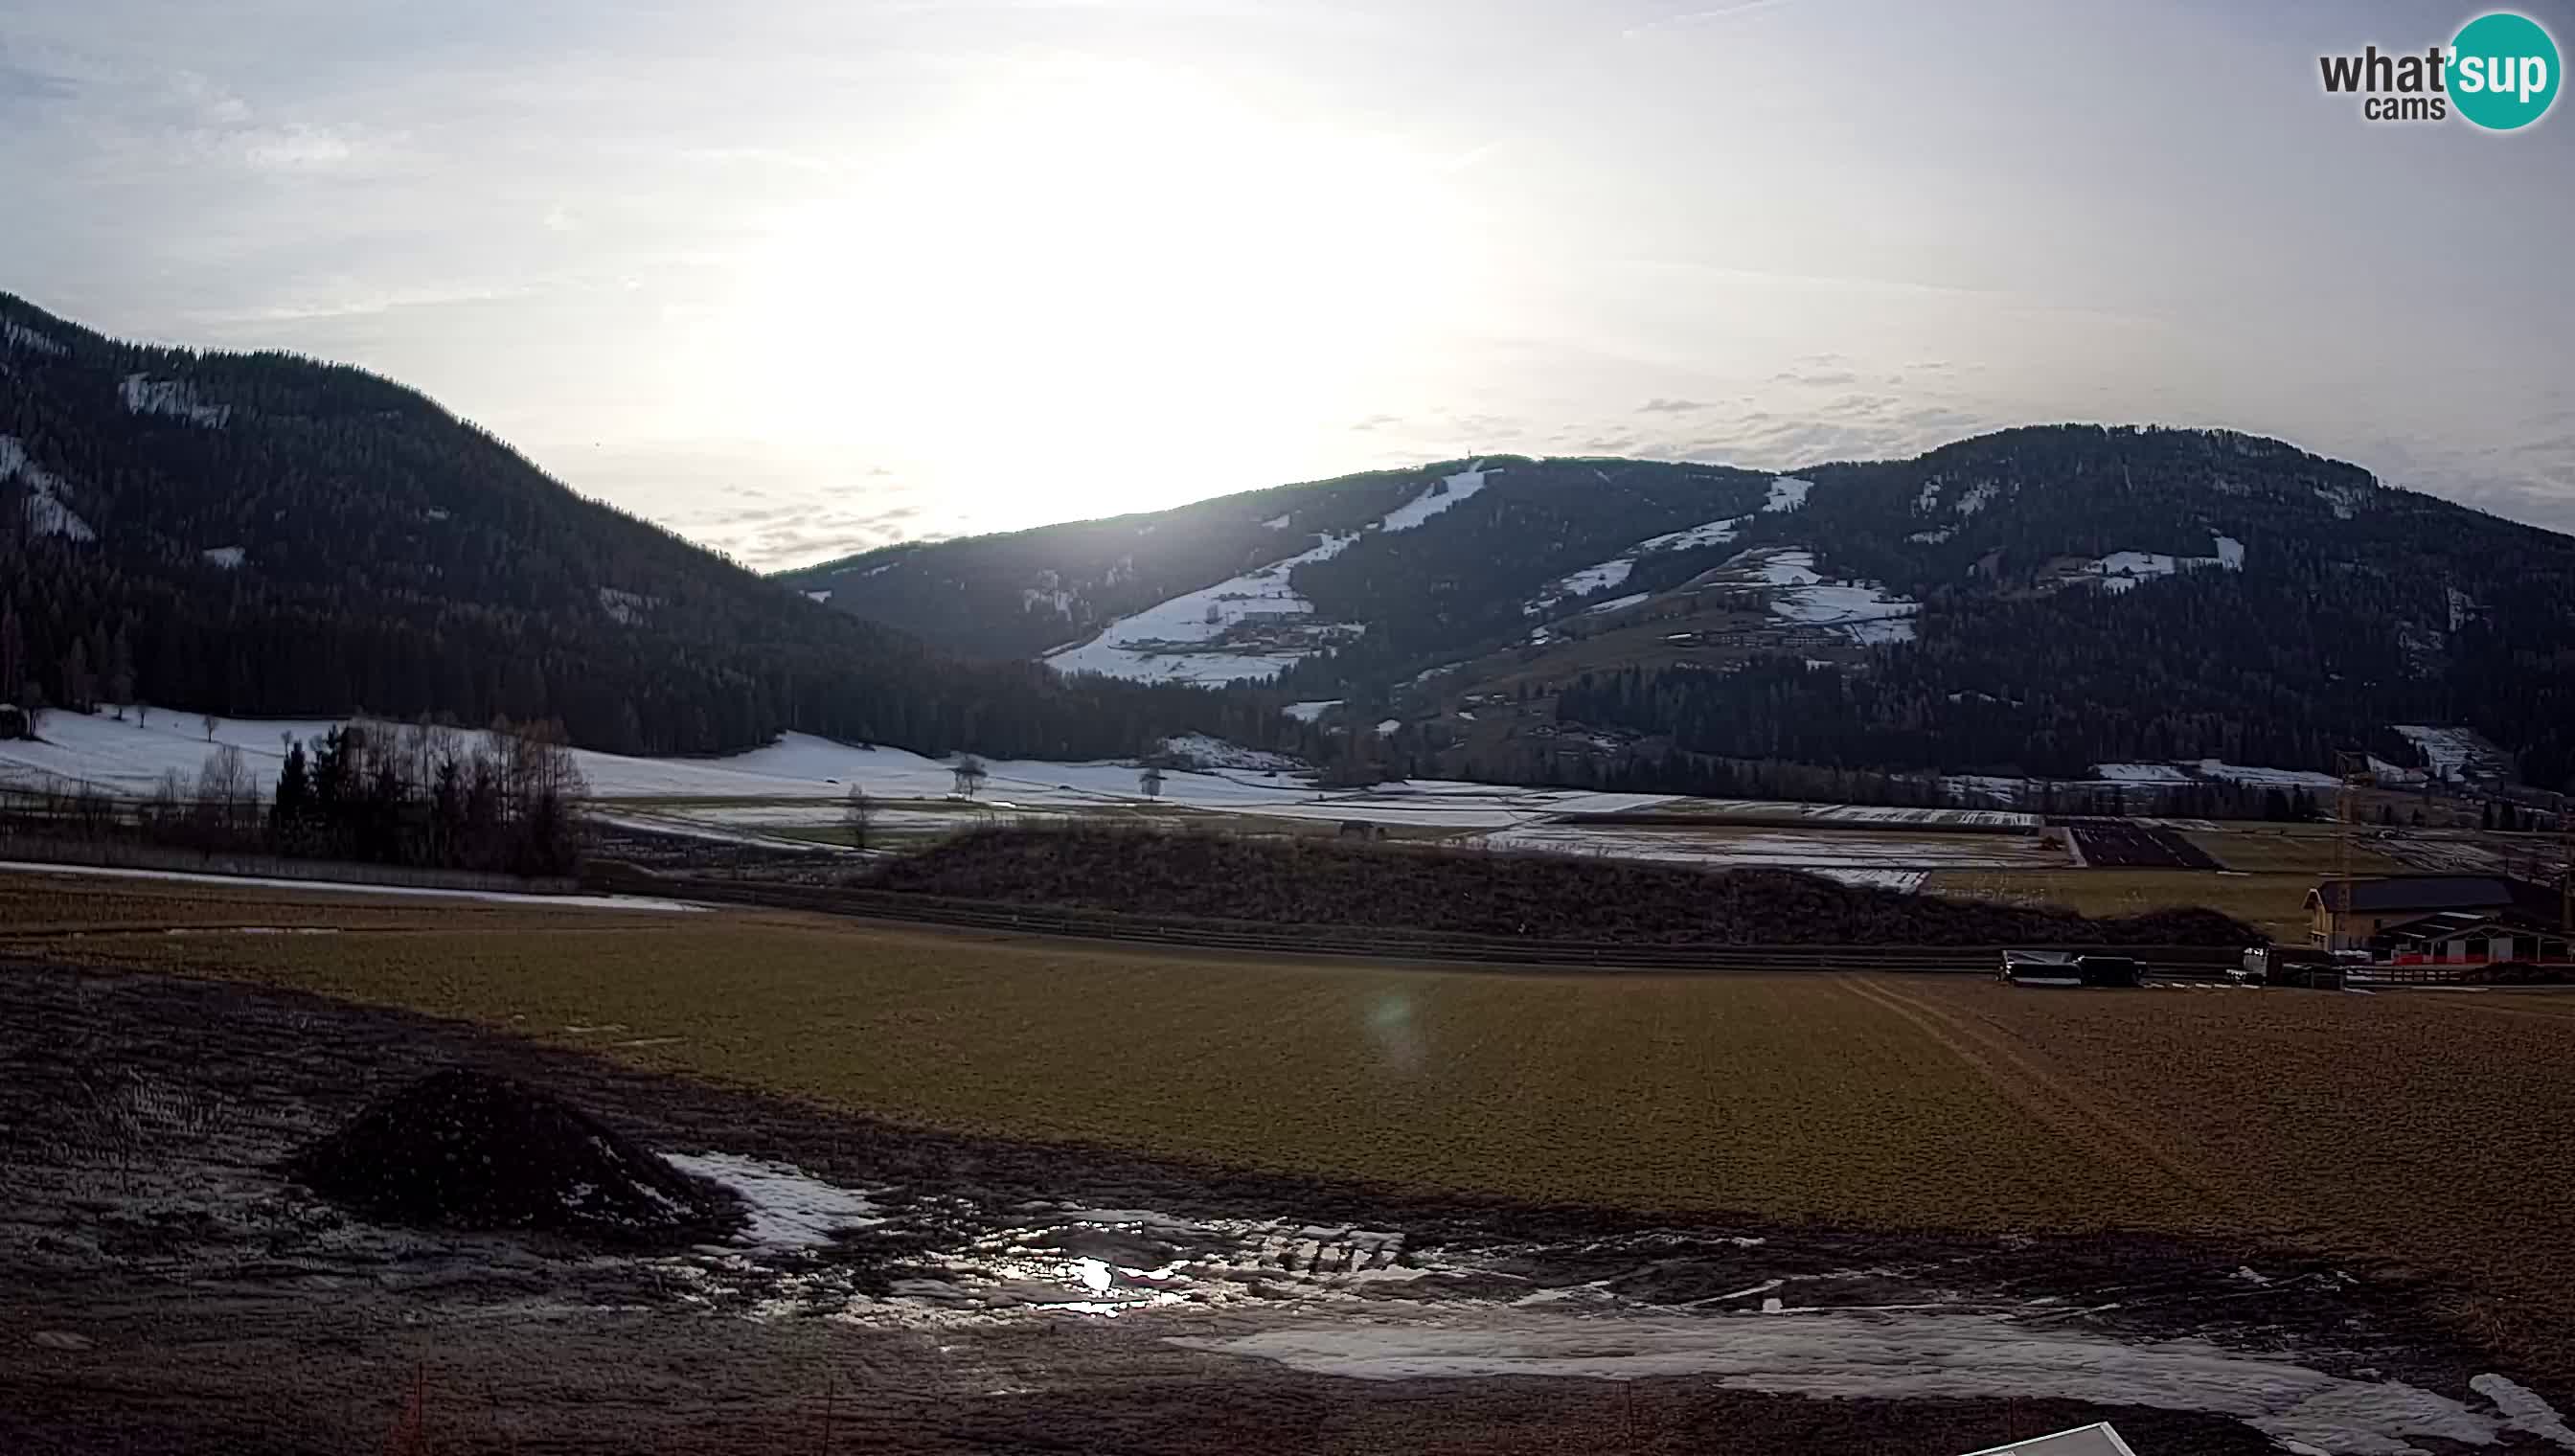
423	795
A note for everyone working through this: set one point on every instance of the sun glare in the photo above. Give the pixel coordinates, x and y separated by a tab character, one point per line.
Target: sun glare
1104	273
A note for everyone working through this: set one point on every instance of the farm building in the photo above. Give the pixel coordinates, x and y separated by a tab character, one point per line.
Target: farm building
2374	905
2097	1440
2471	937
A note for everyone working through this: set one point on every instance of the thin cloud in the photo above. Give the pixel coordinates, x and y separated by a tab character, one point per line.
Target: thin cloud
17	83
1704	15
1671	407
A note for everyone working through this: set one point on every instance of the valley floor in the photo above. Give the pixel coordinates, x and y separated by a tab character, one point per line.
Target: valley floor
1144	1201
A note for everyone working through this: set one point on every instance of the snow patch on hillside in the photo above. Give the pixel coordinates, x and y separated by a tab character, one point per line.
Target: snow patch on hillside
1451	492
1616	603
1932	537
1205	751
1930	499
1592	579
1978	498
19	336
820	596
1715	533
1309	711
2141	773
2446	749
1254	626
2345	499
47	515
2121	571
2463	608
1060	602
1607	575
2265	778
1276	522
1247	628
227	557
1866	611
144	395
625	608
1788	493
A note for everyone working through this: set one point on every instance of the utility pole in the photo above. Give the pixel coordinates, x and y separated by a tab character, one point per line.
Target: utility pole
2351	766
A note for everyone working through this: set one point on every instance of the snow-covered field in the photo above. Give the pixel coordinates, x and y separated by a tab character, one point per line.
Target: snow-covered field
1869	815
2142	773
1888	858
1178	641
130	758
2193	770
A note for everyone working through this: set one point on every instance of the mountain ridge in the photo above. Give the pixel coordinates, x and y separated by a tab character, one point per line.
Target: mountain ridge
2256	598
262	535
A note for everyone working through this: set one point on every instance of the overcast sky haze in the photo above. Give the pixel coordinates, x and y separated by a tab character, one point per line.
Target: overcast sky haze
801	278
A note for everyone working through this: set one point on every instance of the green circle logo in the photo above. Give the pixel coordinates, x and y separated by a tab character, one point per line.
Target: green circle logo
2503	71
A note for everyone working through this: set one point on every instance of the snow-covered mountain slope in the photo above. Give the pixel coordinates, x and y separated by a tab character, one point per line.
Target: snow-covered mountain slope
1247	626
2045	597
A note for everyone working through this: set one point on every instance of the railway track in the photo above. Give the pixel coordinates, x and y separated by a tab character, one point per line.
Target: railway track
2192	962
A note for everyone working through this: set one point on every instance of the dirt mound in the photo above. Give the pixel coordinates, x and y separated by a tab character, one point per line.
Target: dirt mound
1542	897
466	1150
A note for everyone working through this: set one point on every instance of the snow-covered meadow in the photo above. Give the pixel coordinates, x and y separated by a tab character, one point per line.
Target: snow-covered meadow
130	758
1889	858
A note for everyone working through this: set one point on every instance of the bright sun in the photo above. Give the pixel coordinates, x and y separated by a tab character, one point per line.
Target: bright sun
1103	268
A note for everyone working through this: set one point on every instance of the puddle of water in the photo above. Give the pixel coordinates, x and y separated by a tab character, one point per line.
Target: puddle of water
1916	1356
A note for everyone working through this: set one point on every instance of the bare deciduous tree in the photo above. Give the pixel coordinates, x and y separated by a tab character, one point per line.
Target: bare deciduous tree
210	723
857	813
969	775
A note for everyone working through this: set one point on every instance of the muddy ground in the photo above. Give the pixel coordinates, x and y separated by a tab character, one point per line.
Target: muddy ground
165	1288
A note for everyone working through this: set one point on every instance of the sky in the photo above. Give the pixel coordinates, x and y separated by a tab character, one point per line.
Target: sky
800	278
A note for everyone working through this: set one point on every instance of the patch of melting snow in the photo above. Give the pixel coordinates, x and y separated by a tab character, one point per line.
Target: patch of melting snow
252	930
1914	1356
790	1208
2523	1409
1452	491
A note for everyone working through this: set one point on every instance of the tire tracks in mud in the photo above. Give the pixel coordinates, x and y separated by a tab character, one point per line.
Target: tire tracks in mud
2073	1111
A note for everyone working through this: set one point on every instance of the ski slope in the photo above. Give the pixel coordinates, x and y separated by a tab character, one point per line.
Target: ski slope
1603	575
1183	640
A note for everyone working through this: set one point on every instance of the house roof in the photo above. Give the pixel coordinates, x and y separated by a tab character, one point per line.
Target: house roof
2401	893
2452	924
2097	1440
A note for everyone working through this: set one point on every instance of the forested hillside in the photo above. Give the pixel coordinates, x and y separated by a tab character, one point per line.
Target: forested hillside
2036	600
255	535
2309	609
